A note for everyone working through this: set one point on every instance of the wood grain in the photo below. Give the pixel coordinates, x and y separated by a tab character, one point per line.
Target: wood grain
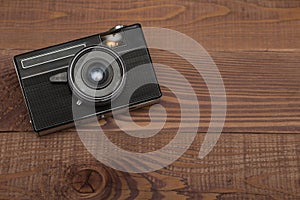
216	24
241	165
256	47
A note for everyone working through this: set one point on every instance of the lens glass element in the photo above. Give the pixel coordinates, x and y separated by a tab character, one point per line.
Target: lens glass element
97	73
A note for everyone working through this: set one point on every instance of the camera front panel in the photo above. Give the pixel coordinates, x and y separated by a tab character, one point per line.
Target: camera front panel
50	104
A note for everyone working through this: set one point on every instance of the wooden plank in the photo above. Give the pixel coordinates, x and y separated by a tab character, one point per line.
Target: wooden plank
262	91
216	24
255	45
254	166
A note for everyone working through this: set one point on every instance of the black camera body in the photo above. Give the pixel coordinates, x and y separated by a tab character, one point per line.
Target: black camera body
97	72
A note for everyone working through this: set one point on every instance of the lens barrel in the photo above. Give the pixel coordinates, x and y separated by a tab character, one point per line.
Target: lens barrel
96	74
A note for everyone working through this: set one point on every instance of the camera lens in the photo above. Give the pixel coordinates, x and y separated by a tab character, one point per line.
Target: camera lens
96	74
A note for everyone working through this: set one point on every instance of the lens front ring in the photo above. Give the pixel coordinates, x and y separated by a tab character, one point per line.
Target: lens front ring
109	59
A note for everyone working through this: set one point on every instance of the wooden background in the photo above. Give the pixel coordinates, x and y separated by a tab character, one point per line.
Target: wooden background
256	46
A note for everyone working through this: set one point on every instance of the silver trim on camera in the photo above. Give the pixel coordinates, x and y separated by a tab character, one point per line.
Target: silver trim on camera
47	60
45	72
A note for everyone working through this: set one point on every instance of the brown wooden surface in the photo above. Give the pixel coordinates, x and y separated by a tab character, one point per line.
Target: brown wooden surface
256	47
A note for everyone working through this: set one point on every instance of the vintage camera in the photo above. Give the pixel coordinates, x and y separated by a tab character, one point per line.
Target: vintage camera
98	72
